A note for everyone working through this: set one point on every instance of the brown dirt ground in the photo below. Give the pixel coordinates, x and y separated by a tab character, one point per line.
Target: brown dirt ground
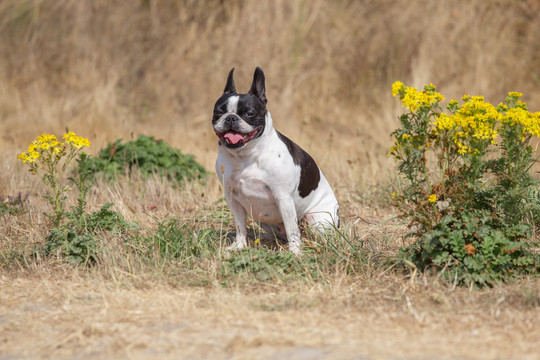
61	313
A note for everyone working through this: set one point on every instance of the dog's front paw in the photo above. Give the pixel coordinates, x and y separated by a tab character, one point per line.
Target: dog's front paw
237	245
295	248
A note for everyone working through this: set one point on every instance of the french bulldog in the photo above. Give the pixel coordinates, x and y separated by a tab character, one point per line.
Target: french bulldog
264	174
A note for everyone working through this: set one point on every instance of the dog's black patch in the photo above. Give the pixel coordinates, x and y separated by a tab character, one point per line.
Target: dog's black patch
309	171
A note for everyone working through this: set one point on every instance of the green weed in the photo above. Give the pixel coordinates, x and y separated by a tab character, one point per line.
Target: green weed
176	239
148	156
13	205
267	265
77	238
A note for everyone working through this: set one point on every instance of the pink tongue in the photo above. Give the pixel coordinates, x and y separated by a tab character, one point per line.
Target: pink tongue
234	138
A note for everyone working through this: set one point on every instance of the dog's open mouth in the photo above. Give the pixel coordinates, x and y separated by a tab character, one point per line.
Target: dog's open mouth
235	139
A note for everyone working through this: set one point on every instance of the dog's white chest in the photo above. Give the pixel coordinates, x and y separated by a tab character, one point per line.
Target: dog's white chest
251	188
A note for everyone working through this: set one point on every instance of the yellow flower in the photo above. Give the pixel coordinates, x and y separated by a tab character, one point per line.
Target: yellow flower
394	194
396	88
58	149
432	198
46	146
521	104
471	126
502	107
445	122
394	150
29	156
528	123
76	141
414	99
44	141
463	149
257	240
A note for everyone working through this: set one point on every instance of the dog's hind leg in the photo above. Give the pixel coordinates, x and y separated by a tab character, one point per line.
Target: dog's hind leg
323	220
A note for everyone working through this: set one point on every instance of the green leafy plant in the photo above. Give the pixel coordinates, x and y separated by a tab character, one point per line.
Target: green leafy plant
467	183
74	234
150	157
77	240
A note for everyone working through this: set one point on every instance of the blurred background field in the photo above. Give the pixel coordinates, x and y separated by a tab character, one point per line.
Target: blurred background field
114	69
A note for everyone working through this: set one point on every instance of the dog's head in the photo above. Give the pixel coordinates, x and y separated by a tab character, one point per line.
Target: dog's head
240	118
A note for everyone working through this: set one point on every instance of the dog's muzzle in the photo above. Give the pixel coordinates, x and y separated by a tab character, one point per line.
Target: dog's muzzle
233	139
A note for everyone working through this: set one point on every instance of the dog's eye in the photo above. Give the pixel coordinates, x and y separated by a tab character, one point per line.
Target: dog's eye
250	114
218	113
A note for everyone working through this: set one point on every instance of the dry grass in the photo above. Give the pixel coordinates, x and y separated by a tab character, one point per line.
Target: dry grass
62	313
113	69
116	69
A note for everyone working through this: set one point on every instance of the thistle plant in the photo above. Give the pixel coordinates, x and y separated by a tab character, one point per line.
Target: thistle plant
49	159
468	182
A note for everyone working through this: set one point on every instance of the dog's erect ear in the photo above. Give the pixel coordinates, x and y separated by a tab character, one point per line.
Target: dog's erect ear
257	87
230	88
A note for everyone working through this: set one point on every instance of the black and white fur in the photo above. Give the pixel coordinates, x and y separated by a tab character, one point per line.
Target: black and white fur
265	175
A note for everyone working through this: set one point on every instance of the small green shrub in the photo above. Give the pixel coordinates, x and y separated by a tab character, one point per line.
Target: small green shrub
77	240
150	157
468	188
471	247
266	265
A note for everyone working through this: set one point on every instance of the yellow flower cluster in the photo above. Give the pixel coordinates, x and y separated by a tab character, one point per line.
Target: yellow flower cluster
47	145
471	127
30	156
413	99
515	94
42	143
432	198
528	123
518	117
475	121
75	140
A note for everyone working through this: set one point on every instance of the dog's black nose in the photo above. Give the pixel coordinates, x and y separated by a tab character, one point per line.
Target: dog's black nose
229	120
